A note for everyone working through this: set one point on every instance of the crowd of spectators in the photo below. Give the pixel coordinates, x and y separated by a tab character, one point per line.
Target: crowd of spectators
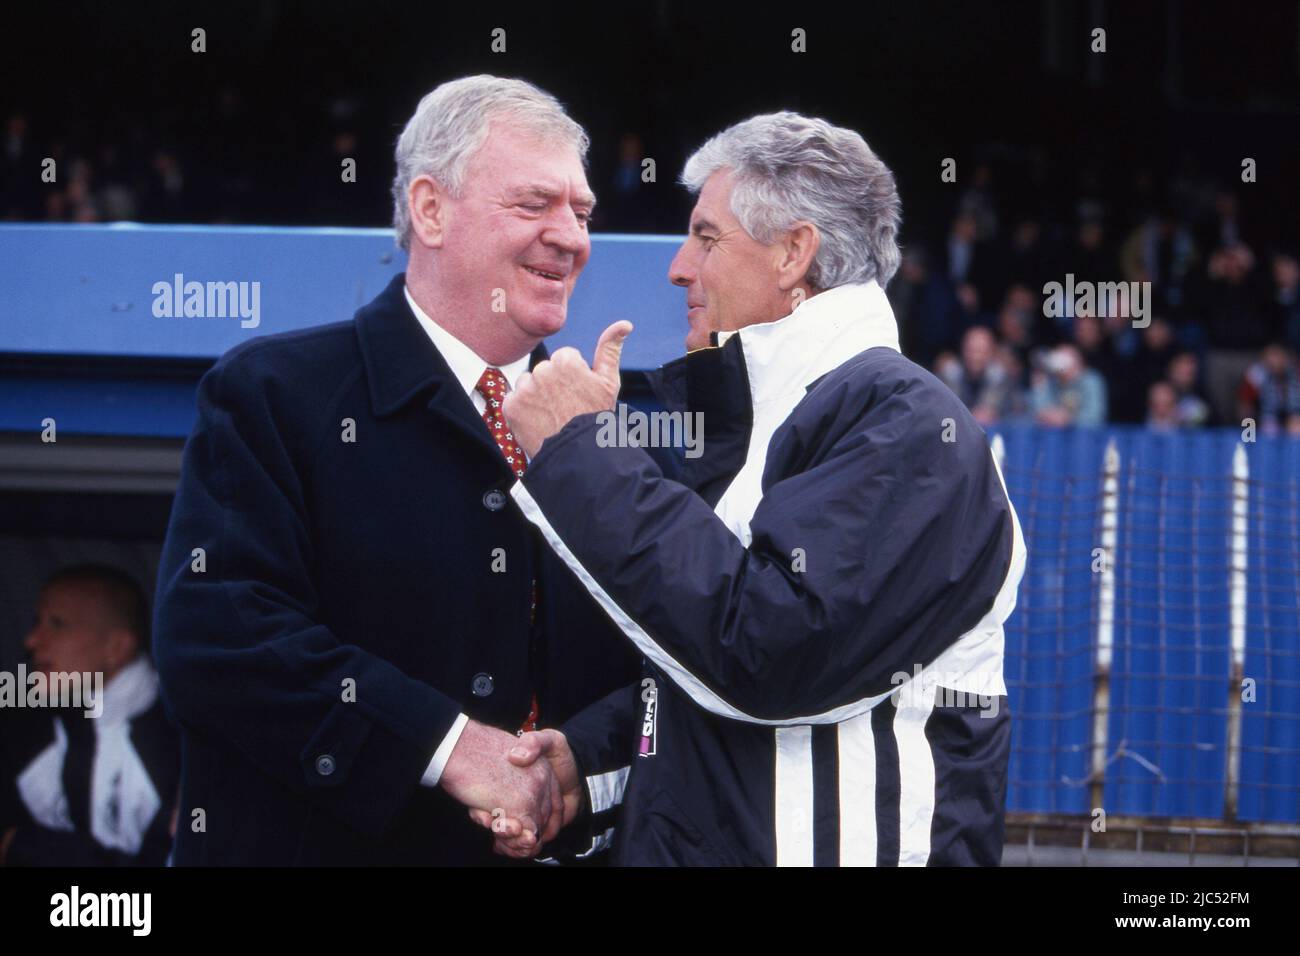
1218	342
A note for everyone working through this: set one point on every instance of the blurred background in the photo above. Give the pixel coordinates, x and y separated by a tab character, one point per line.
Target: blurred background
1119	166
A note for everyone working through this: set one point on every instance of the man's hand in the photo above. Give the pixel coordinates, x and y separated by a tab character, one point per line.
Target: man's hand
512	837
479	775
562	388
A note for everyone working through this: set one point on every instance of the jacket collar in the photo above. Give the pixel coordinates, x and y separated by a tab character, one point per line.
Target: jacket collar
401	362
823	333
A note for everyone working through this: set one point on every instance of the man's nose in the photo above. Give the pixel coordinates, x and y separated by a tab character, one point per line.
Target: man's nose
567	233
679	270
33	638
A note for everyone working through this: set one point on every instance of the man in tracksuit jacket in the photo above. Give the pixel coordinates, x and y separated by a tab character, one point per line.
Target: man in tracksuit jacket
819	598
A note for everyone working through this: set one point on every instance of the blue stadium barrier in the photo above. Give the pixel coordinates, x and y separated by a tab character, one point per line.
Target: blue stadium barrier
87	290
1170	678
89	286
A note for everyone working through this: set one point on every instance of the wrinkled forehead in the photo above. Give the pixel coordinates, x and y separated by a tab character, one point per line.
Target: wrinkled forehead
518	159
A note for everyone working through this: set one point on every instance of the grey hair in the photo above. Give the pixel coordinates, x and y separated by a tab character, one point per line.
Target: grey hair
790	168
451	123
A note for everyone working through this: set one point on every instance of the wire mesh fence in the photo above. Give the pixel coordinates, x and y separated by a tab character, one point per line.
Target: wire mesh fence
1153	661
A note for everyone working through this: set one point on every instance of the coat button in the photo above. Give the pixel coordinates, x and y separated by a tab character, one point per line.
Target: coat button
324	765
482	685
494	500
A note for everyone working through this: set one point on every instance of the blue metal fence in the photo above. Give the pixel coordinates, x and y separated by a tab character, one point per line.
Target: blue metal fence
1171	681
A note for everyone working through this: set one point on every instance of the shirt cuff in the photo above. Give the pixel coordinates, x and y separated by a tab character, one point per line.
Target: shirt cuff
440	756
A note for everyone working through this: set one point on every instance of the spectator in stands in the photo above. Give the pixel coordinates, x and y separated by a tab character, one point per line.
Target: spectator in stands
963	240
977	378
1162	408
1025	259
925	307
1091	257
1016	407
1234	314
979	203
1160	251
91	791
1149	364
1096	347
1223	227
115	199
1031	326
20	172
1270	392
1285	300
165	198
1193	405
1067	392
80	191
968	269
623	202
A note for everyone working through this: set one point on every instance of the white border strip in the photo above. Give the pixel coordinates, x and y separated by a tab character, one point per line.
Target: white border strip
915	778
701	694
606	789
857	752
794	796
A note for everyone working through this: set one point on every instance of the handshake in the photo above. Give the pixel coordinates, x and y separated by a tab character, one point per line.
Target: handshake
524	789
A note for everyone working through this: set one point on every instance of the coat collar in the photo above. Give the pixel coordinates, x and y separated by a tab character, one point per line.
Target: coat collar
399	359
824	332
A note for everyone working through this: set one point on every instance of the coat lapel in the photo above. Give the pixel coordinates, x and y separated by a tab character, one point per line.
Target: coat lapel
402	365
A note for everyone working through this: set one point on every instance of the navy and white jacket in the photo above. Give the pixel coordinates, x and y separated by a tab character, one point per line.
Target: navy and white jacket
819	599
92	791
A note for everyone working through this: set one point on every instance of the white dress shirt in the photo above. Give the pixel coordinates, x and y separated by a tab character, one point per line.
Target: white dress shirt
465	364
468	368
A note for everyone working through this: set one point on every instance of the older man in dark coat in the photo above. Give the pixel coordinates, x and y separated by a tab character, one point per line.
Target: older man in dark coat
351	624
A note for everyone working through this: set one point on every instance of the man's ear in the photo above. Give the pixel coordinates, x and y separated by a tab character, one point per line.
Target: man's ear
121	647
795	253
427	203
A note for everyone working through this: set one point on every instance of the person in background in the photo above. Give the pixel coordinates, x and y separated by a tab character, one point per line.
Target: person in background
1097	349
1156	349
1236	317
1162	408
1017	400
1160	251
1184	378
977	378
83	790
1016	324
1285	300
926	307
1067	392
1270	392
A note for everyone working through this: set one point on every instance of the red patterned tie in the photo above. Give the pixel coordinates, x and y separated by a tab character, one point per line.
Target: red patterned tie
492	386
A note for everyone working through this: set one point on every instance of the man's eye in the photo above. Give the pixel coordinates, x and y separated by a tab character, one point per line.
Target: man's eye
534	207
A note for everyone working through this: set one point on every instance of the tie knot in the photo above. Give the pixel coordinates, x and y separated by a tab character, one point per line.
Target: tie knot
492	383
